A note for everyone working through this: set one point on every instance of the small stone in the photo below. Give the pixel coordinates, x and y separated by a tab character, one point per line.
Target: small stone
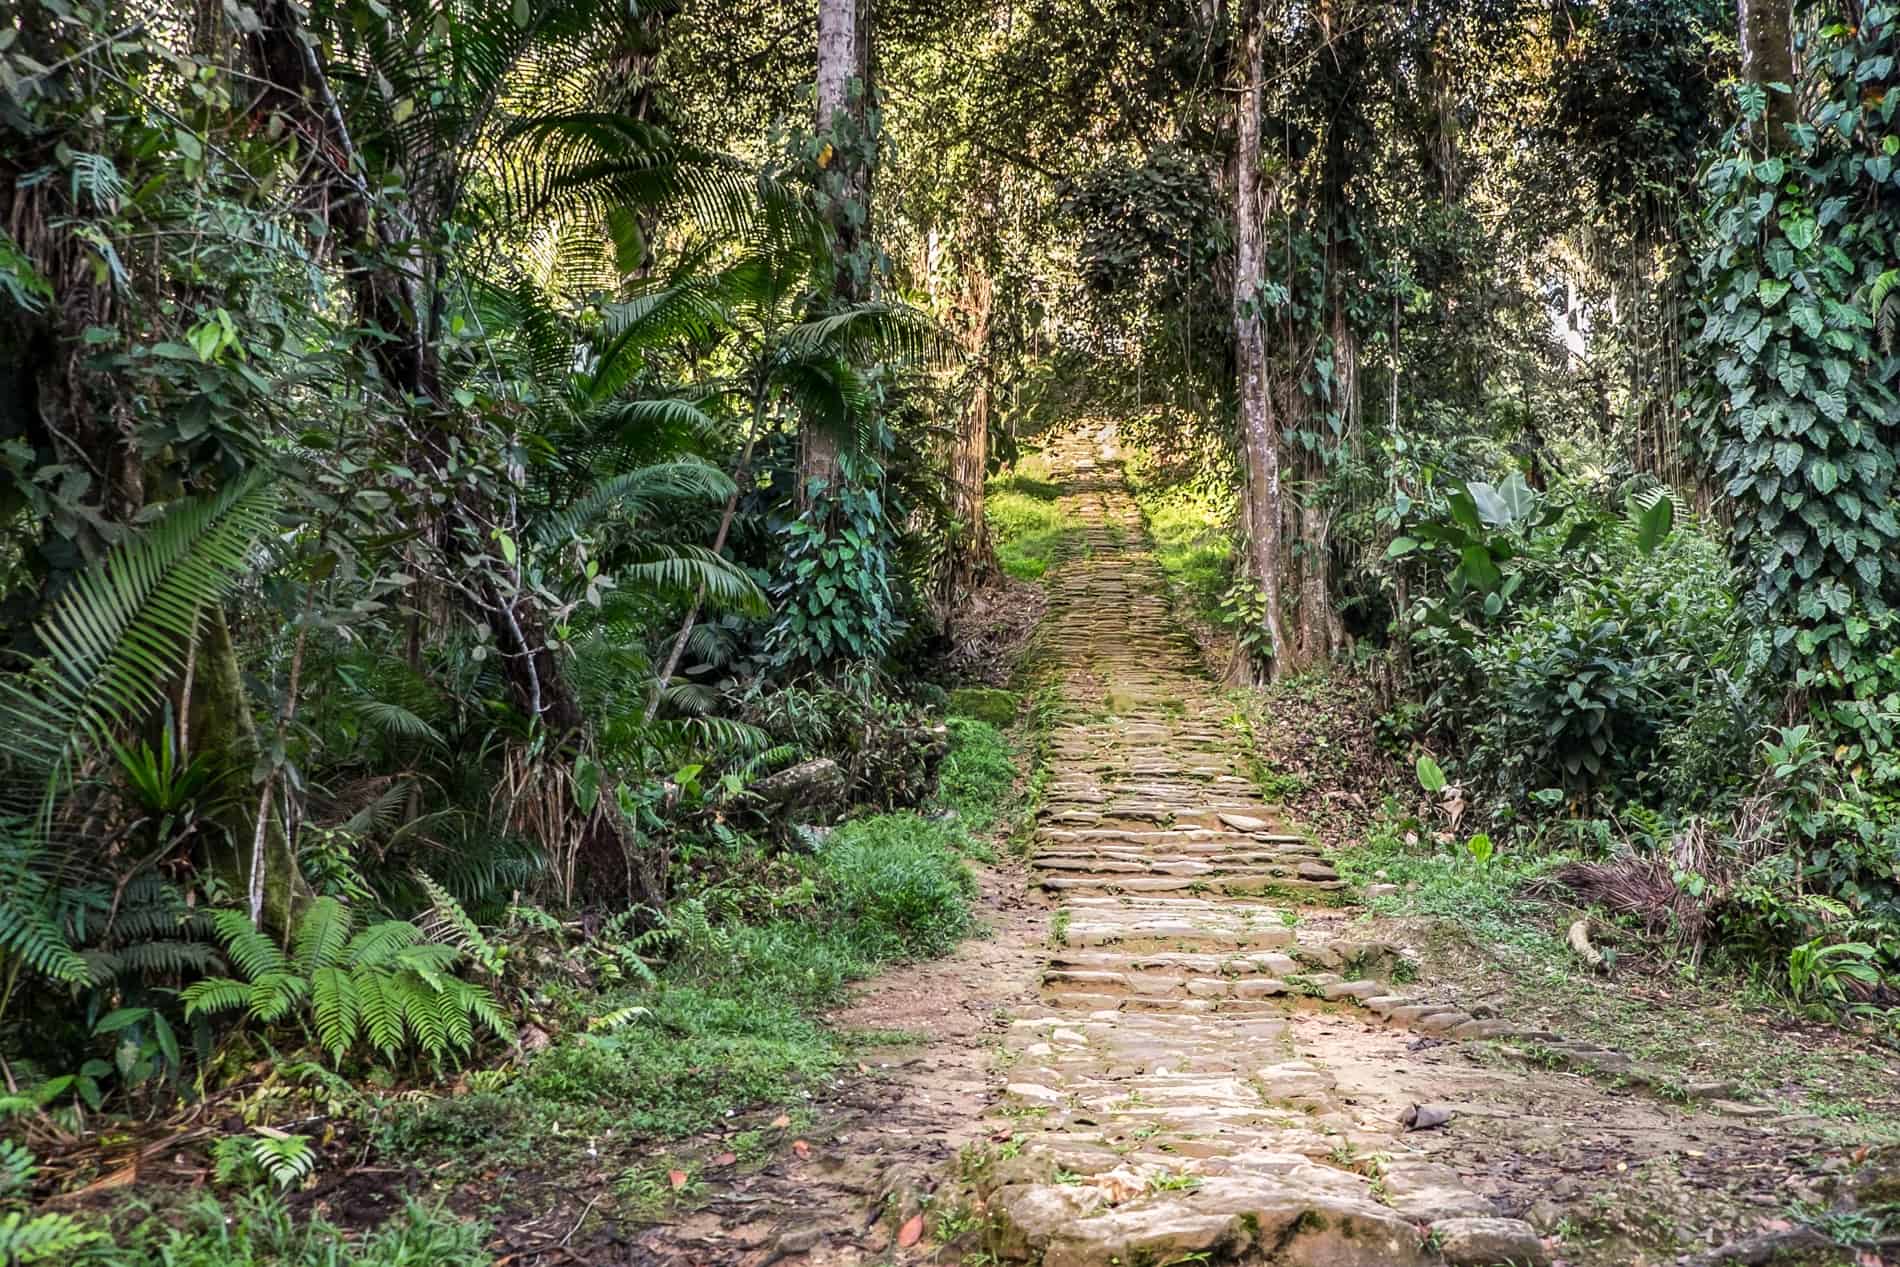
1245	822
1381	890
1442	1022
1032	1093
1414	1012
1710	1090
1482	1242
1350	990
1735	1108
1482	1029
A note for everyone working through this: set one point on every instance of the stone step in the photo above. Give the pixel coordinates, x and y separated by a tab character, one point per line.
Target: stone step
1257	882
1179	840
1109	861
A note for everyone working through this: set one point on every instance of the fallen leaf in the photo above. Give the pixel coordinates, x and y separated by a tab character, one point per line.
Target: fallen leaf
863	1068
911	1232
725	1159
781	1122
800	1147
677	1178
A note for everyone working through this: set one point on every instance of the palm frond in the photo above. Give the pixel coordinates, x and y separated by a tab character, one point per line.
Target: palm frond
636	494
693	569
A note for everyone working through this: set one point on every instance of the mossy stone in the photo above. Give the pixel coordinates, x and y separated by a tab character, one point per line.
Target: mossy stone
984	703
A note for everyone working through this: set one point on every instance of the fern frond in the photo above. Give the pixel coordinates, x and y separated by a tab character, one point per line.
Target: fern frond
338	1012
118	634
27	931
379	943
287	1159
417	999
449	922
687	569
255	954
381	1009
17	1168
43	1238
274	994
215	994
429	958
323	935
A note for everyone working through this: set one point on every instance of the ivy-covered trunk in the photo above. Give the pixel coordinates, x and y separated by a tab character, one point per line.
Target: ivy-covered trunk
846	170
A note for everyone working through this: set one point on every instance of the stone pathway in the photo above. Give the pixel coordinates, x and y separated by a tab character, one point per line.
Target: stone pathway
1167	1099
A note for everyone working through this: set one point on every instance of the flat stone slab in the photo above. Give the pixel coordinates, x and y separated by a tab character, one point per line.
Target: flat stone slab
1225	1218
1489	1242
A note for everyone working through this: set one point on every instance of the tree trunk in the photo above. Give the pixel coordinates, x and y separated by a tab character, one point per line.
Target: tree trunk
222	727
1767	39
971	555
844	49
1259	435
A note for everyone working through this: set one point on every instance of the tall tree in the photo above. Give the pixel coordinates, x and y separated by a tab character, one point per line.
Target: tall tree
1259	432
847	161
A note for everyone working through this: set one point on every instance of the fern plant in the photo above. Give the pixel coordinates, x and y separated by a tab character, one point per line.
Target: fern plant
284	1159
385	983
26	1238
119	634
43	1238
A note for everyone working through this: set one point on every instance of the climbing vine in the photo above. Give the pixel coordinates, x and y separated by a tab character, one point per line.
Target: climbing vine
1801	412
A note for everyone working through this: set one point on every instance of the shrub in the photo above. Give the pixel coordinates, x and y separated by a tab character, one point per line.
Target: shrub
898	883
887	746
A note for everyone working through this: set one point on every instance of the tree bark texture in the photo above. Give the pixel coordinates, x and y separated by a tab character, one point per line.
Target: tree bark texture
844	54
1259	433
972	558
1767	38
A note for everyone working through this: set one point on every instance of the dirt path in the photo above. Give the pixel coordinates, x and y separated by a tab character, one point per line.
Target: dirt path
1174	1048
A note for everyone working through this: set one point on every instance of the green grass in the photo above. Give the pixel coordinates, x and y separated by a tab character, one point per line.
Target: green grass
978	777
1192	531
1445	882
732	1022
259	1231
1026	525
1715	1027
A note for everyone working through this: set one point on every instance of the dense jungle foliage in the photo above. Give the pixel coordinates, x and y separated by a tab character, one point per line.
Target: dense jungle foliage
492	494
